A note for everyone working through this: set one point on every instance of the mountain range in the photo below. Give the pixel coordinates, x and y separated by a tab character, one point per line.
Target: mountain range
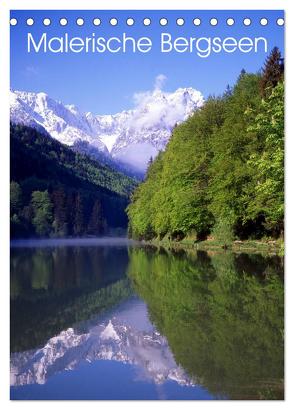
115	339
127	139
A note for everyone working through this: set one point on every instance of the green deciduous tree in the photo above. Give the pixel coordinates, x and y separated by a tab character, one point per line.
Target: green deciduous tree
15	197
42	209
232	146
222	170
268	166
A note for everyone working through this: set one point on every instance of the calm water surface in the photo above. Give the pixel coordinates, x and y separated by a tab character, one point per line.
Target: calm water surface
109	319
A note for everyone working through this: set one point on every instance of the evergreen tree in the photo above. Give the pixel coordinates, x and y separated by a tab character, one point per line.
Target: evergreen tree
96	223
229	91
40	163
78	226
241	75
60	223
15	197
70	211
272	71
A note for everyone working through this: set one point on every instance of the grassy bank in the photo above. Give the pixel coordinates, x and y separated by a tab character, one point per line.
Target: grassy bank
250	246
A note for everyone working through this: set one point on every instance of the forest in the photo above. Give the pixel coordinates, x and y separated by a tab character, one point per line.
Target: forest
56	192
221	175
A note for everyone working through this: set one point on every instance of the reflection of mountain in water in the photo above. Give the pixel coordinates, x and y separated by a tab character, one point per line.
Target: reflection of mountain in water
111	339
59	286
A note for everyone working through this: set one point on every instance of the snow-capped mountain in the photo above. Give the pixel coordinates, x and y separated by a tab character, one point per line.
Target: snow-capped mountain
63	122
129	137
111	339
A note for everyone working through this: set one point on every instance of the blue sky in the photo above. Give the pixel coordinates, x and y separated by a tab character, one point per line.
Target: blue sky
105	83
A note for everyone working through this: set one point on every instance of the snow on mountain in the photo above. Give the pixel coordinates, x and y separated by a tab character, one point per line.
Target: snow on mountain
106	340
149	126
63	122
129	137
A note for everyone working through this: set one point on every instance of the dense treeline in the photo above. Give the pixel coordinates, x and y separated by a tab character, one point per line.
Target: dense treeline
222	170
58	192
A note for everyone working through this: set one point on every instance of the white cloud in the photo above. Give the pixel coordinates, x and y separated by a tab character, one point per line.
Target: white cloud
31	70
157	109
159	81
143	97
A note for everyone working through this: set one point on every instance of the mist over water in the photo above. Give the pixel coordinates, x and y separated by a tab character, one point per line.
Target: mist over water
49	243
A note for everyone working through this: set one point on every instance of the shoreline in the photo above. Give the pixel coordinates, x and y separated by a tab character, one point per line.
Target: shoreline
274	247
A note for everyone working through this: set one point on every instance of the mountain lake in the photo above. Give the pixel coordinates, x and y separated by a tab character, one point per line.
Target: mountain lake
112	319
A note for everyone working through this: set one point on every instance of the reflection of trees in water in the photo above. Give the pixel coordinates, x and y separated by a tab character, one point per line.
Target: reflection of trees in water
57	270
222	316
54	288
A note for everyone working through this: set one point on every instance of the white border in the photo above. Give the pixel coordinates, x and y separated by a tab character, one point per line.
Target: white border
147	5
287	5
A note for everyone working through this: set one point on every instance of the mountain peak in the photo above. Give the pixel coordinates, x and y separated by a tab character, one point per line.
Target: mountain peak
131	136
117	341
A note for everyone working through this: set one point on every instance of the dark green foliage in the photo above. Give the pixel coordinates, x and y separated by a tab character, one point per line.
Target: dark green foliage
60	223
15	207
42	168
78	226
221	172
96	223
272	72
15	197
42	212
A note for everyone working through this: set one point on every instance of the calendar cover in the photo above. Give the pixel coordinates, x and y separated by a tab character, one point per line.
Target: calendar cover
147	204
